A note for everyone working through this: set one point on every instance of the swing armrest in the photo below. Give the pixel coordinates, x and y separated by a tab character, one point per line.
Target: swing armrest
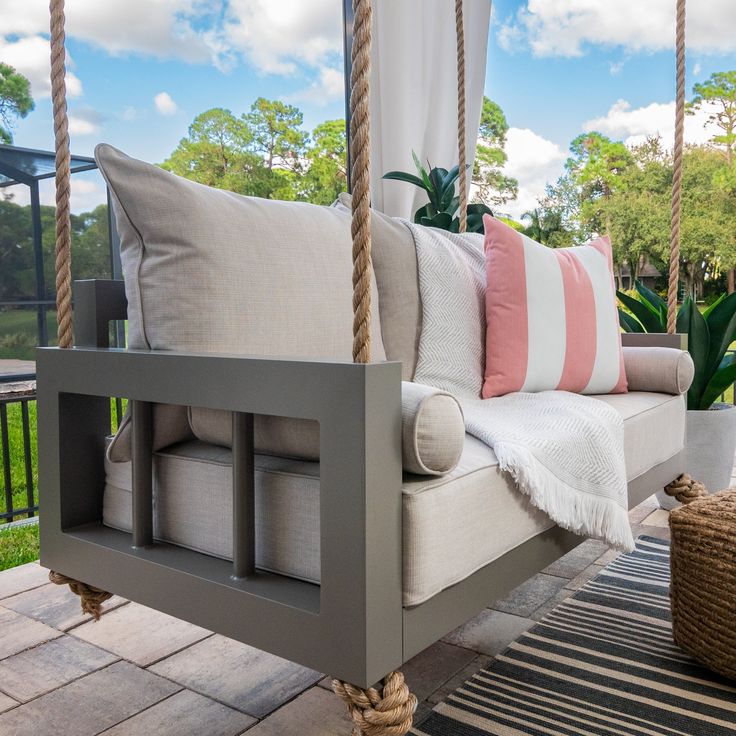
360	415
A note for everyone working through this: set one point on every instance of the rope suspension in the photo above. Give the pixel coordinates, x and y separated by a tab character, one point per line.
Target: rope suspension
63	176
360	153
677	172
461	134
91	598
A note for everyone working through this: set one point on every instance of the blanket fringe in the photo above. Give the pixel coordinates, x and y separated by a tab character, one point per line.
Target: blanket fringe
578	512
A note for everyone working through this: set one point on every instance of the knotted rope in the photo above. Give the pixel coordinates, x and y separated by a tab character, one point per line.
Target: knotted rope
360	150
386	713
685	489
677	173
462	154
90	598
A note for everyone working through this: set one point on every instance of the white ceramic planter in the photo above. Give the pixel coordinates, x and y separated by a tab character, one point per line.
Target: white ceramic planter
711	443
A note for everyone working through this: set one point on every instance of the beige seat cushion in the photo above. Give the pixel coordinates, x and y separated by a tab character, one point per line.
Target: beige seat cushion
452	525
654	428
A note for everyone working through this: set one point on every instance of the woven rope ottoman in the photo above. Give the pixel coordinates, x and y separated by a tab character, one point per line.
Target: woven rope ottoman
703	590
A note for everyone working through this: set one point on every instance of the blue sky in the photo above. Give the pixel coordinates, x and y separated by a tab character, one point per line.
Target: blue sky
557	67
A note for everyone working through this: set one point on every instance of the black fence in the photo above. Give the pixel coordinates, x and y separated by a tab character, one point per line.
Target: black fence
20	497
18	447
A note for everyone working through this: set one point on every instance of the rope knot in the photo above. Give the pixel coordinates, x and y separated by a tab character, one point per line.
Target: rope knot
685	489
91	598
389	712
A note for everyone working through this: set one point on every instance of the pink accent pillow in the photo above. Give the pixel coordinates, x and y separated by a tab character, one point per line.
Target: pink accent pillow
551	318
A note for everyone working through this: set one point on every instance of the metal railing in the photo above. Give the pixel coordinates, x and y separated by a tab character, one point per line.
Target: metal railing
18	466
18	461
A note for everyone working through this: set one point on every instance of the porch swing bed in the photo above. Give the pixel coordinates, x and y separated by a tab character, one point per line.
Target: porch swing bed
280	478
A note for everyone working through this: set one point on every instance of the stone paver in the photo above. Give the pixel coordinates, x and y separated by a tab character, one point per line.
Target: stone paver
6	702
140	634
24	577
532	594
479	662
575	561
435	665
89	705
659	517
48	666
552	603
184	714
579	580
315	712
490	632
18	632
238	675
55	605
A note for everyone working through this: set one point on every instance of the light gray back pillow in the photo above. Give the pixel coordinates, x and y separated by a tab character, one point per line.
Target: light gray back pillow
208	270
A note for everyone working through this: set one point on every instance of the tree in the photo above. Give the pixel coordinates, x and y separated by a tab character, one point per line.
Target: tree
15	100
218	152
494	187
546	227
275	127
326	175
720	92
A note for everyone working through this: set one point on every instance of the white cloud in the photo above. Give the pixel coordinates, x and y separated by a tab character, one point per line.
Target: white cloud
277	35
567	27
697	69
30	56
535	162
164	28
329	86
165	105
84	121
634	125
615	68
129	113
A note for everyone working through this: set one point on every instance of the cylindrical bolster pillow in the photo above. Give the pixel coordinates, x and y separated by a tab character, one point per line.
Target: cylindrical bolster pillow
662	370
433	430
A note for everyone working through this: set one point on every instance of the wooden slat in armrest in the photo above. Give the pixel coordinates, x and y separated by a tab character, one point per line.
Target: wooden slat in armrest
653	340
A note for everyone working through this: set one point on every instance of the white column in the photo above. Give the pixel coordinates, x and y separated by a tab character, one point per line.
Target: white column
414	91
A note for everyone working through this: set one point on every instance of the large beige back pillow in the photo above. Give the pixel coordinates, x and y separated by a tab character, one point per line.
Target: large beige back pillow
208	270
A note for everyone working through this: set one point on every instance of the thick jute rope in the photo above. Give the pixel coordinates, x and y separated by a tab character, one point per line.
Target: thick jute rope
677	173
461	135
703	587
685	489
360	172
90	598
388	712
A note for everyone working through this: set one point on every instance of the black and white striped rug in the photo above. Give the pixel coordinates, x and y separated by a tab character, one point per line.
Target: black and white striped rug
602	663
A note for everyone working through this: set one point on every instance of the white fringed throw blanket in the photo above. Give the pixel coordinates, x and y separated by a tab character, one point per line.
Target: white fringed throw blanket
564	451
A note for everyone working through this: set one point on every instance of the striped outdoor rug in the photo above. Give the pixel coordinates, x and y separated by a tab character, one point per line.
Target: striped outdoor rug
601	663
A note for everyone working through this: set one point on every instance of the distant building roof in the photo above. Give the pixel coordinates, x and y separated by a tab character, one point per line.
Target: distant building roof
645	272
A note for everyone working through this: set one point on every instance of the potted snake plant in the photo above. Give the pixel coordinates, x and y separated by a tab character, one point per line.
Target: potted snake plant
711	423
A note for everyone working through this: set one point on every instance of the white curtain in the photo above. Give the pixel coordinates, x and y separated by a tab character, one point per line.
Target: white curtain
414	91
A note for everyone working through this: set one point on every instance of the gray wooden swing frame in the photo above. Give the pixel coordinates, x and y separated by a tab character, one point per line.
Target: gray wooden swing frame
353	625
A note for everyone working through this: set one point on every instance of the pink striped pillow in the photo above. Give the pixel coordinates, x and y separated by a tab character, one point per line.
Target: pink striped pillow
551	319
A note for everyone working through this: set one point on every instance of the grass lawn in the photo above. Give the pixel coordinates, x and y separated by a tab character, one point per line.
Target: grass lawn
18	545
18	332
